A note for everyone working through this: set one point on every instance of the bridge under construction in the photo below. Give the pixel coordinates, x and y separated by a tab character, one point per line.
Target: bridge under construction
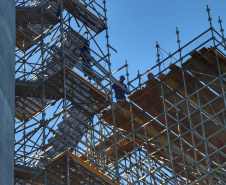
68	130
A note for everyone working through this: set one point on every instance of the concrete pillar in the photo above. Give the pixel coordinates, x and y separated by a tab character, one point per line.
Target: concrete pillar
7	90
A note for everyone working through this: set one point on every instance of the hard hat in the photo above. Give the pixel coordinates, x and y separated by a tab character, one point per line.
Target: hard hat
87	42
150	74
122	76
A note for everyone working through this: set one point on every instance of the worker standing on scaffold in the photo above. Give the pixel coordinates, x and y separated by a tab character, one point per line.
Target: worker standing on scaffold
150	76
58	9
119	92
85	56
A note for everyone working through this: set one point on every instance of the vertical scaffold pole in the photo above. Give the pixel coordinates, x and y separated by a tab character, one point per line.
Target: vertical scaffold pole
222	32
158	55
132	123
24	121
117	179
165	116
218	67
223	39
43	93
138	75
218	63
203	128
63	64
181	140
186	96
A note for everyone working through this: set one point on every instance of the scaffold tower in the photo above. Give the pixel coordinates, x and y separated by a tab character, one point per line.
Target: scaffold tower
68	128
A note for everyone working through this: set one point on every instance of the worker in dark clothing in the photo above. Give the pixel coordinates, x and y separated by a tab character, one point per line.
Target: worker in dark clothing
119	92
84	55
58	9
150	76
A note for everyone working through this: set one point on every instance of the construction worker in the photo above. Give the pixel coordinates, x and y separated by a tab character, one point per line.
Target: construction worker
119	92
150	76
58	9
84	55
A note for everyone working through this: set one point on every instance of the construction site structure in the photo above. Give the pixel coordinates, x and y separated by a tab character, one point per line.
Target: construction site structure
68	129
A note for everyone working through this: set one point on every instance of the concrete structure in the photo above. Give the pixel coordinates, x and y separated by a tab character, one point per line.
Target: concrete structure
7	90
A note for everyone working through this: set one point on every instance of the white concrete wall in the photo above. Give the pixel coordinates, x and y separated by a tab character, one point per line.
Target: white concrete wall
7	91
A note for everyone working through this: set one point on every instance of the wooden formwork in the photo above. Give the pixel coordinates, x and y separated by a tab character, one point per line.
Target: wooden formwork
144	134
175	100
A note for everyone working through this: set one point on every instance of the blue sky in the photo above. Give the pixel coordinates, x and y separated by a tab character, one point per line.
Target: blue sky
136	25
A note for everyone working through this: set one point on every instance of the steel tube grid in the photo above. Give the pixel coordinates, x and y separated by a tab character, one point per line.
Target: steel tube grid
42	45
96	134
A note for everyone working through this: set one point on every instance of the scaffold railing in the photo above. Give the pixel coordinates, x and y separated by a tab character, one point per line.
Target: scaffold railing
68	129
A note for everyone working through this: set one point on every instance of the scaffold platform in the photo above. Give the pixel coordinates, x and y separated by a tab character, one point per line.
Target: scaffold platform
158	99
31	14
80	12
28	24
72	42
210	102
154	106
79	171
77	121
203	64
24	173
164	99
79	92
145	133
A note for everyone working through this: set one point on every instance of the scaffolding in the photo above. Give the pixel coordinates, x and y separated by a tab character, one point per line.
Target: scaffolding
68	130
